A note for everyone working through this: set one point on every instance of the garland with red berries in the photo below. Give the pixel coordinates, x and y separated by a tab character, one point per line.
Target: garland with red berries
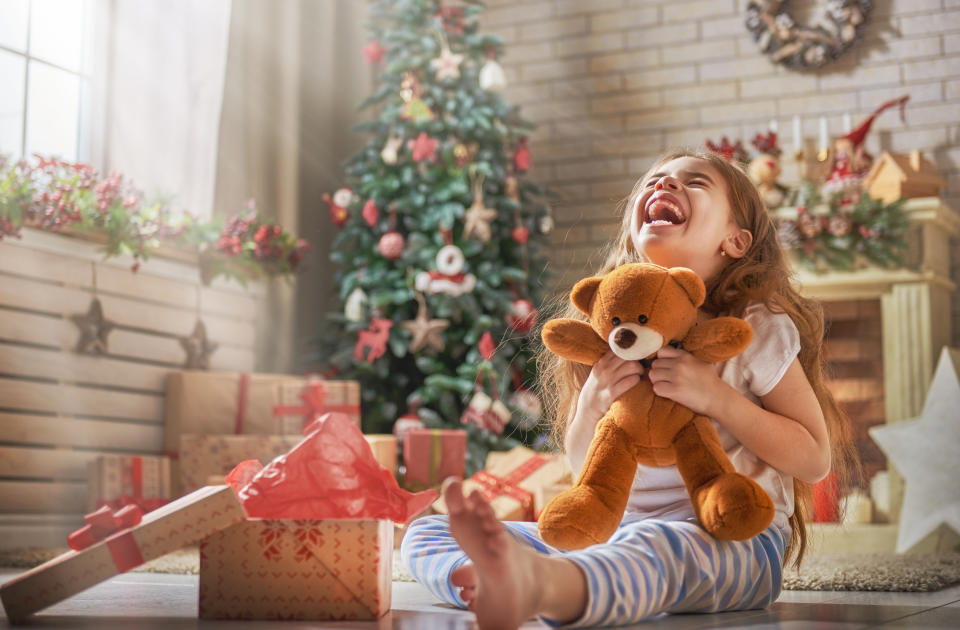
55	196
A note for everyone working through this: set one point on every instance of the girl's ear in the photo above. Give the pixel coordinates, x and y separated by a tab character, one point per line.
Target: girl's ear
737	243
583	292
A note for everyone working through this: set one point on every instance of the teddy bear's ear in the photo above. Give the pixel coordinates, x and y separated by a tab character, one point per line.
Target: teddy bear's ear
691	283
583	292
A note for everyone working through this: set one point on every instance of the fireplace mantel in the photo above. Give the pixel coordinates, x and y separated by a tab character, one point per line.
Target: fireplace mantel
915	310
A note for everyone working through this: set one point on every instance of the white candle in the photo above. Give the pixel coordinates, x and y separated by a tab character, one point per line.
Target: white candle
797	139
773	125
823	140
847	124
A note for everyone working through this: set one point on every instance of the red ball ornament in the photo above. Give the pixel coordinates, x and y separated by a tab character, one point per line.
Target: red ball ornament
520	234
522	316
370	213
391	245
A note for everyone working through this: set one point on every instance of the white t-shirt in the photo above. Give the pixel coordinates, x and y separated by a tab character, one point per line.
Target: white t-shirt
659	492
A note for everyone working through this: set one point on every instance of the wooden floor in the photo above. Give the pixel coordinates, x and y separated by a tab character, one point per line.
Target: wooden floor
148	601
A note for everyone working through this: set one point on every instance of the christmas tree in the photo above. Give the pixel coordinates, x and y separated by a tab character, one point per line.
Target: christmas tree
439	261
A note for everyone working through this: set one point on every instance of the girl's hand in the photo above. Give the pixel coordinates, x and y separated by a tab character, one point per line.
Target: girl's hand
609	378
683	378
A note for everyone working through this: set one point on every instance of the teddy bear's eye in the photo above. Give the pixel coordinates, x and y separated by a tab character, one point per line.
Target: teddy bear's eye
642	319
616	321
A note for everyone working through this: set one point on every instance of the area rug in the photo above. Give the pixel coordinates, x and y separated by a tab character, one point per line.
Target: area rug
838	572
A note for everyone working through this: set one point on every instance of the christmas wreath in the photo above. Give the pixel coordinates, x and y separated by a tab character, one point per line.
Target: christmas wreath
801	47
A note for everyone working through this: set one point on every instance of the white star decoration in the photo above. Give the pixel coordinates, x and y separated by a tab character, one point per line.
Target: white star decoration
426	332
447	65
924	450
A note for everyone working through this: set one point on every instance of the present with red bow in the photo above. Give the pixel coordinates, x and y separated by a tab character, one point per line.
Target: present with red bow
119	480
319	540
511	479
432	455
302	402
204	456
111	543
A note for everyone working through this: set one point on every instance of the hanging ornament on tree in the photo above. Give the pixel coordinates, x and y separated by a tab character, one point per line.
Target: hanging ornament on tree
389	152
423	148
478	216
407	422
372	343
526	403
520	232
370	212
415	108
448	277
447	65
355	305
464	153
521	159
492	78
426	332
373	52
511	188
391	244
483	411
522	316
546	220
450	18
338	205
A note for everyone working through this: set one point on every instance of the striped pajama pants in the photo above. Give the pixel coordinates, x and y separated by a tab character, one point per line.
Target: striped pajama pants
647	567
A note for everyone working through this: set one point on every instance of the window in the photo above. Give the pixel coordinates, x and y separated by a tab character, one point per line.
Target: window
47	61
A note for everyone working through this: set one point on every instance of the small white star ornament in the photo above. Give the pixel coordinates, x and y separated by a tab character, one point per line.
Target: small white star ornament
924	450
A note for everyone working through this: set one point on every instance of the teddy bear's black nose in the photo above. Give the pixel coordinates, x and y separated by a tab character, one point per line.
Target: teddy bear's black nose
624	338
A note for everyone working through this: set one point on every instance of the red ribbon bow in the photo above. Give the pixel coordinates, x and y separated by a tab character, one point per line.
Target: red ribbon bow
103	523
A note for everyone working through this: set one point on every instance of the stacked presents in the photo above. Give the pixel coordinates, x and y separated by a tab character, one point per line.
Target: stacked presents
320	515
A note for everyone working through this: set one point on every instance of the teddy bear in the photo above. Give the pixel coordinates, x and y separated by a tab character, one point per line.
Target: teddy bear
635	310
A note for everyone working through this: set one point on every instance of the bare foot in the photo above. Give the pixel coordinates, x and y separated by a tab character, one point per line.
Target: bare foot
505	591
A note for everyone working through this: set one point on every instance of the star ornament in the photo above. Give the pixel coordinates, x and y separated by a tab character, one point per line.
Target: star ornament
447	65
426	332
423	148
94	329
198	348
477	221
924	450
374	52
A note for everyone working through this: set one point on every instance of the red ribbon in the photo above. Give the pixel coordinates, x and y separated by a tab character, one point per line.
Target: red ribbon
136	476
106	523
494	486
313	396
241	404
145	504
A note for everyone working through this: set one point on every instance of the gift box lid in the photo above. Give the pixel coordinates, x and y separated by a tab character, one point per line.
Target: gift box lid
183	522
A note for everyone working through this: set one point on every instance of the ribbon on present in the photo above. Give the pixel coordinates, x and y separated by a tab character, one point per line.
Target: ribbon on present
146	504
241	403
115	528
495	486
314	405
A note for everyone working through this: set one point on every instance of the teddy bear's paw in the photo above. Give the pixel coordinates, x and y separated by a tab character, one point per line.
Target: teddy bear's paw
577	518
733	507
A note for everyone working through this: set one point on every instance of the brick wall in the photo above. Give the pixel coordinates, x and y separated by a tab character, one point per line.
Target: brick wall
613	83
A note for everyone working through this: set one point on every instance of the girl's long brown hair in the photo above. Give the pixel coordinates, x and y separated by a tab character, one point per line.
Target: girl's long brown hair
761	275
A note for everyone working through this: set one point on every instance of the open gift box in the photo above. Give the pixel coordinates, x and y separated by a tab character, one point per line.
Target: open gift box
307	537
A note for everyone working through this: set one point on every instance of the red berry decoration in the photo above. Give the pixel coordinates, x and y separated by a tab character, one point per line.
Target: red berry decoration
520	234
391	245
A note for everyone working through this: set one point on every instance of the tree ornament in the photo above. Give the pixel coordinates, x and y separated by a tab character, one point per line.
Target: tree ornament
450	18
415	108
486	413
372	343
370	213
389	152
93	328
521	159
526	402
426	332
448	277
392	244
802	47
407	422
198	348
373	52
354	308
478	216
764	169
338	205
520	234
511	188
447	65
423	148
492	78
522	316
546	223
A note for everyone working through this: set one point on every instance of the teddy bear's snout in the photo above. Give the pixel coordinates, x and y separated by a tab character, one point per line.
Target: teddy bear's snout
624	338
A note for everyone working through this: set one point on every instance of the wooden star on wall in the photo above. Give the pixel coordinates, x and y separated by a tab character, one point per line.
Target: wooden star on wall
198	348
94	328
425	331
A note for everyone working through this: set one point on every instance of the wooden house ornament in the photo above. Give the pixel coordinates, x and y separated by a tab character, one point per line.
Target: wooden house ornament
901	176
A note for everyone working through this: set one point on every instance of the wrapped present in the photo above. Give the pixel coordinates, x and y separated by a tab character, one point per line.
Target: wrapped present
319	544
119	480
510	481
432	455
203	456
384	447
303	402
112	544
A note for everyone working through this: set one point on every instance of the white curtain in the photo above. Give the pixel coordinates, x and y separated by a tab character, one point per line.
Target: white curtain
166	69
